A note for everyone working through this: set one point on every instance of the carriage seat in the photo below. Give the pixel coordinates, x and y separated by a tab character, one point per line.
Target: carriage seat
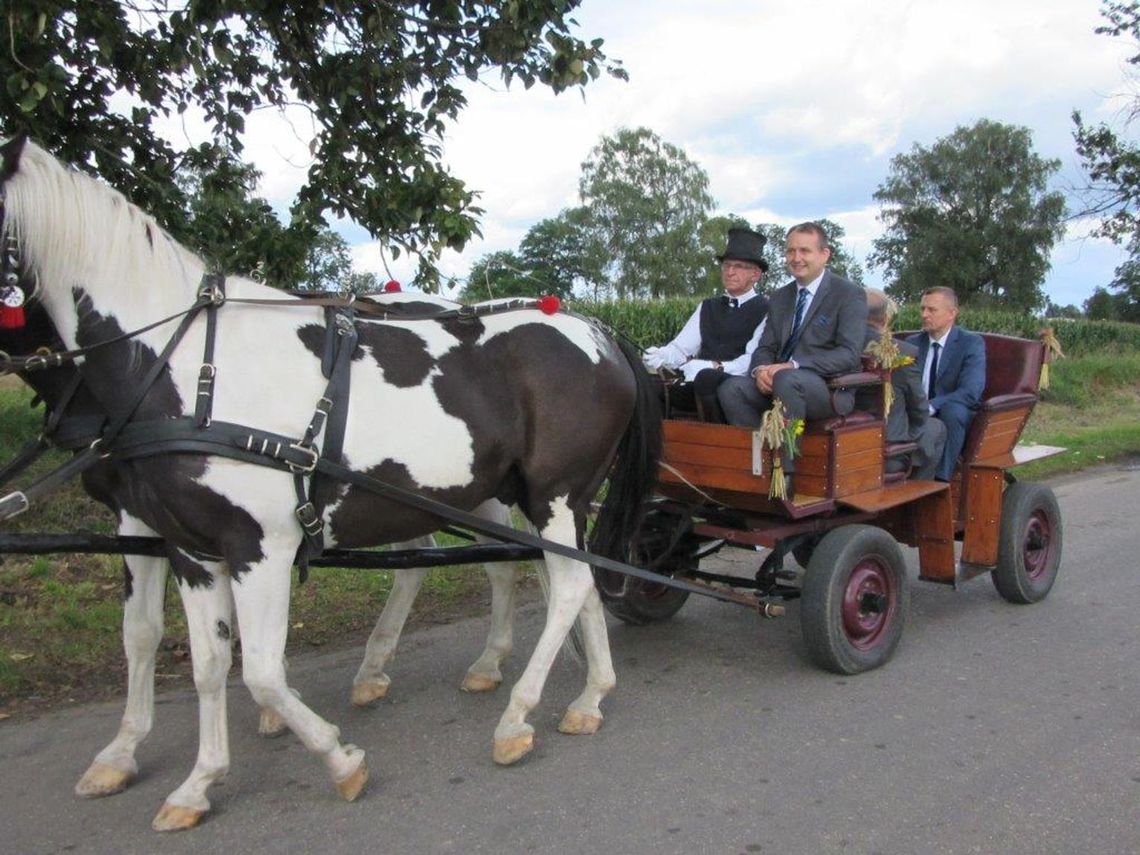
1013	373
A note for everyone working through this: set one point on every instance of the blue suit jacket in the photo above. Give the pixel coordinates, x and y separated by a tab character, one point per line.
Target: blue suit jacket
961	368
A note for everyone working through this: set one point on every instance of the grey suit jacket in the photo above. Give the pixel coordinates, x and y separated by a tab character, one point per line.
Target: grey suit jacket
831	341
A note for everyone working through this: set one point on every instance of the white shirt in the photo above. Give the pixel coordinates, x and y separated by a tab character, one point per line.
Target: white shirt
687	344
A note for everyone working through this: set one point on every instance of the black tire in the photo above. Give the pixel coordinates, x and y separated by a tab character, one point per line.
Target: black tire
1029	543
854	599
803	550
636	601
660	545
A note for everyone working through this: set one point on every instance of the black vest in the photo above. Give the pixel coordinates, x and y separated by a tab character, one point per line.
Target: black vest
725	331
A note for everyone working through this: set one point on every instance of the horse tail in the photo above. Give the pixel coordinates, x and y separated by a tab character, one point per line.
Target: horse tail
634	471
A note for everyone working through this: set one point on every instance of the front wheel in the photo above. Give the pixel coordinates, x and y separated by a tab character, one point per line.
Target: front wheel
854	599
1029	543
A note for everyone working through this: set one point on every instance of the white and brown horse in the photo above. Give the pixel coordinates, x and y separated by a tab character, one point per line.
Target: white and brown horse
521	407
75	417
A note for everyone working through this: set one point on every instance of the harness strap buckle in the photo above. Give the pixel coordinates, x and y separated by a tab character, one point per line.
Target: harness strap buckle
12	505
310	522
303	468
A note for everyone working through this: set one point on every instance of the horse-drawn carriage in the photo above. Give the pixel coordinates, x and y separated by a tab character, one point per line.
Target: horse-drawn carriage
848	516
231	460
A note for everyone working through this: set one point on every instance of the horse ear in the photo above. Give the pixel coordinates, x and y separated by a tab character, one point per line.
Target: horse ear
10	151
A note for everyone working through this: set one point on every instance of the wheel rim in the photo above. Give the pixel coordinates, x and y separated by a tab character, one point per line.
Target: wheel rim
868	603
1037	545
649	590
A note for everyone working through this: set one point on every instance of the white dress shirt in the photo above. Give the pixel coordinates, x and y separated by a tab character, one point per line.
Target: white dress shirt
687	344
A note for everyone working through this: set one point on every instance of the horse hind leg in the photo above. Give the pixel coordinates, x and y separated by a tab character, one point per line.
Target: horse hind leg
584	715
570	585
115	766
207	600
371	682
485	675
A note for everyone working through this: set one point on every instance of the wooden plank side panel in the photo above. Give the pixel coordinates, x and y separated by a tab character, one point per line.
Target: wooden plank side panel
980	541
1000	431
848	482
717	477
863	438
706	433
932	519
679	453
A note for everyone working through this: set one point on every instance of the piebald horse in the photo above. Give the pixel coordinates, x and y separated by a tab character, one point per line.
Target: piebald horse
76	416
523	407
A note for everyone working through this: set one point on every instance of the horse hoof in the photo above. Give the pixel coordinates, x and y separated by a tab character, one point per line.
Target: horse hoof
578	723
366	694
102	780
511	749
350	787
271	724
480	683
176	818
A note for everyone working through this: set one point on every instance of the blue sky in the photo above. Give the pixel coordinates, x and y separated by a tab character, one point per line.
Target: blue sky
794	111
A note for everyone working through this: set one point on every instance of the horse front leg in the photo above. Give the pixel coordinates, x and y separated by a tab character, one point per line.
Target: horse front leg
261	595
115	766
208	602
570	585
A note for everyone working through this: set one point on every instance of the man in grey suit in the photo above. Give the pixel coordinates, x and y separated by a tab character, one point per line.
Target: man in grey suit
816	328
909	419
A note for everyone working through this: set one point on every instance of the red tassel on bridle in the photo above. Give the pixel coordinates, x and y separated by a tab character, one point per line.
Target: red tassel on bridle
12	318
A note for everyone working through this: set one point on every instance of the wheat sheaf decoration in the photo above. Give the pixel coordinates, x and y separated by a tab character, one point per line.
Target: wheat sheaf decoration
1052	351
887	357
777	432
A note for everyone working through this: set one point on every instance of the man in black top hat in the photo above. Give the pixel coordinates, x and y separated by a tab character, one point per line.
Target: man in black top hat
718	339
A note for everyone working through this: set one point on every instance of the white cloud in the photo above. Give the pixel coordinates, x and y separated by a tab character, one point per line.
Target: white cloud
793	109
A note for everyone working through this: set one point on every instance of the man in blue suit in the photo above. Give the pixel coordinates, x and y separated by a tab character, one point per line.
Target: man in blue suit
953	364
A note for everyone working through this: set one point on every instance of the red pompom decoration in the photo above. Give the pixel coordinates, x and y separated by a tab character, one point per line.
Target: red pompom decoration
392	287
11	318
548	304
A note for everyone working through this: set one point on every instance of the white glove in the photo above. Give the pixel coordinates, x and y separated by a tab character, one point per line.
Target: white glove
653	358
694	367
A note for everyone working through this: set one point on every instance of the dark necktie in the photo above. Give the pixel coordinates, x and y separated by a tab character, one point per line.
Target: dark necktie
790	344
731	302
934	348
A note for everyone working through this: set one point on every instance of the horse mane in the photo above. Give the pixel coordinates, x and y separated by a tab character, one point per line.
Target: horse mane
76	231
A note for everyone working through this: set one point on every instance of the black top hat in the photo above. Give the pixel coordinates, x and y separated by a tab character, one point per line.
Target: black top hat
745	245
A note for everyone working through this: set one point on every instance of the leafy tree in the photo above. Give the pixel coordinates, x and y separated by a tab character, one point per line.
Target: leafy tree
646	203
1113	164
1103	305
502	274
972	212
92	80
564	253
328	264
221	202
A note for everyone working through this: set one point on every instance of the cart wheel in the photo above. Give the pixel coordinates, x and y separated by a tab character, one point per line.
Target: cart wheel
1029	543
854	599
637	601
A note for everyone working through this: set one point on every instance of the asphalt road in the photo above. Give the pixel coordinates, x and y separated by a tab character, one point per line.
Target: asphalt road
995	729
